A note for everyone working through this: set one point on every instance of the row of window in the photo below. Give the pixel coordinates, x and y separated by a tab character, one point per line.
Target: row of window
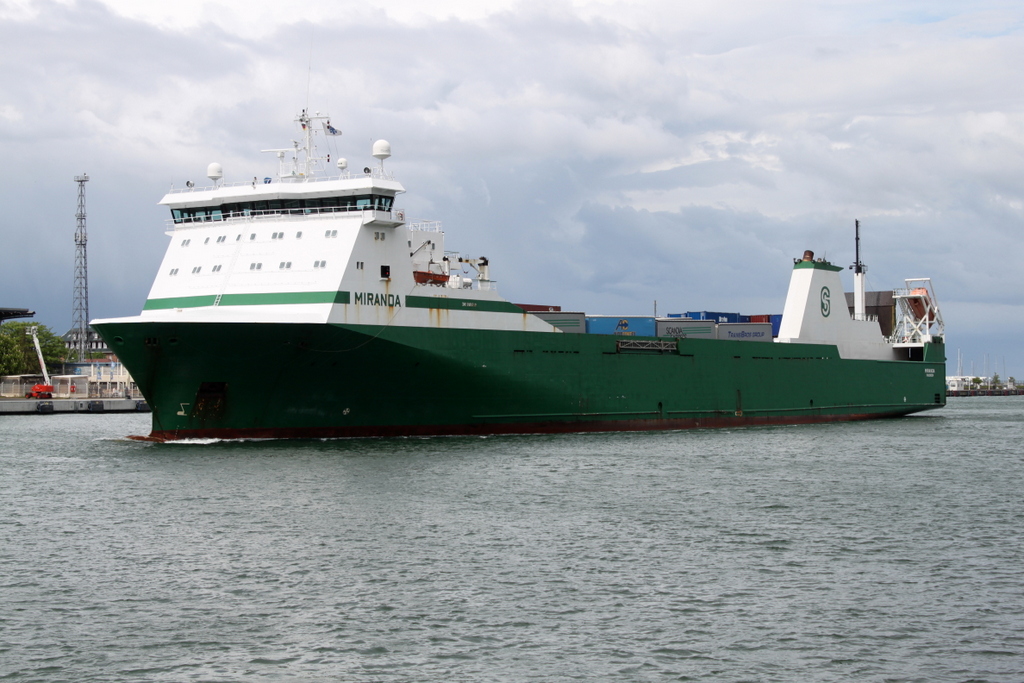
274	236
283	206
285	265
252	237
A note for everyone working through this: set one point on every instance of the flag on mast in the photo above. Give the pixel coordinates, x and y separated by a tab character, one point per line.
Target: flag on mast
330	130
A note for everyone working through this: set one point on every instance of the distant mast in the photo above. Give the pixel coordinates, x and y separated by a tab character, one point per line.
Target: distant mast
80	324
859	269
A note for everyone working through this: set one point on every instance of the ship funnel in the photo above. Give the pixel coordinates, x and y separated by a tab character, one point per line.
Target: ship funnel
214	172
808	255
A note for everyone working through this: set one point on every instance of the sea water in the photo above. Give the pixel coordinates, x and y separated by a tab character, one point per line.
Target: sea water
873	551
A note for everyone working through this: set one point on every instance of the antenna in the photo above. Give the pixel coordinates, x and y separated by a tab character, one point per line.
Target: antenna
859	269
381	151
215	172
80	324
309	74
857	266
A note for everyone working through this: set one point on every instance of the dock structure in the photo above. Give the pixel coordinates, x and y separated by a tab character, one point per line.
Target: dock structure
28	406
984	392
11	313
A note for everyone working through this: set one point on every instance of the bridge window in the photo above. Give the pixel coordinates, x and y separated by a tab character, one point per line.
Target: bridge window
289	206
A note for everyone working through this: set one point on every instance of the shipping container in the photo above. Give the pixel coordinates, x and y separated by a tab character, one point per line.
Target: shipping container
684	327
760	319
678	315
745	331
717	316
623	325
776	324
566	321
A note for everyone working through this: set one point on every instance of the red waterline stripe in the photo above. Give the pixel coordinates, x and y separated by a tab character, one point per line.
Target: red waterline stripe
497	429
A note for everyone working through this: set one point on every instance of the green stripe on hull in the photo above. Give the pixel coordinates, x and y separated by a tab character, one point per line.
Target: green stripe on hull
251	299
304	379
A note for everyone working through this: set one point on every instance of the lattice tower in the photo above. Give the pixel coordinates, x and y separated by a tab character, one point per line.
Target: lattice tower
80	324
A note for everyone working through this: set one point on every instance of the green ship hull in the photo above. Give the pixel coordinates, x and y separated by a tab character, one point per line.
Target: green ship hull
280	380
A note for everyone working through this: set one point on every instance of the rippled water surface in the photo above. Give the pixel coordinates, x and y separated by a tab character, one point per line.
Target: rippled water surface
875	551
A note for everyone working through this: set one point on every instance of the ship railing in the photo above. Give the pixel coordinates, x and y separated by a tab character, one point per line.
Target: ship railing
456	281
254	215
659	345
255	182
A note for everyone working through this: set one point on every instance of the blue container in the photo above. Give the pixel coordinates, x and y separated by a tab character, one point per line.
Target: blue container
717	316
776	323
622	325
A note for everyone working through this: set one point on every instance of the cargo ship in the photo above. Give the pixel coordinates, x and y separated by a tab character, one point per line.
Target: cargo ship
306	305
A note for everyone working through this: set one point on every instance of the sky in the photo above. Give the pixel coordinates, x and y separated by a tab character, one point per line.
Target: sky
603	155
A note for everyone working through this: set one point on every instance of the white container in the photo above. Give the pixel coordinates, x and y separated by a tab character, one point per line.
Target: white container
691	329
566	321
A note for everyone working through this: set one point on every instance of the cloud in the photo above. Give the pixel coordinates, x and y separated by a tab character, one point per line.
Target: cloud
603	154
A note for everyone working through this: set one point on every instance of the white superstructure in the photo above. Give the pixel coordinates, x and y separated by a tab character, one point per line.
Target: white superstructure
816	313
307	247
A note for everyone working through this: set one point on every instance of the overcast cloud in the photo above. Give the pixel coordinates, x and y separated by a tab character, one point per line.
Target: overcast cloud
603	155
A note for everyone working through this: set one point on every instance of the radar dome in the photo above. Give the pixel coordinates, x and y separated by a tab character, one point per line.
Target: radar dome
342	164
381	149
214	172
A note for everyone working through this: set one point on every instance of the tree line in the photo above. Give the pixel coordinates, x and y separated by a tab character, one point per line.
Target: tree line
18	353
